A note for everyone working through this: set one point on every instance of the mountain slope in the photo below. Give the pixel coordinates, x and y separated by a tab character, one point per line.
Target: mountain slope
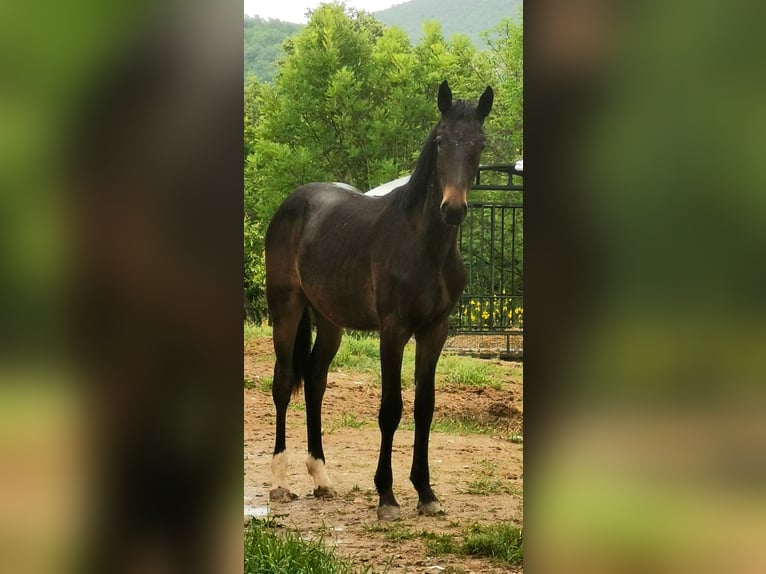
263	45
456	16
263	38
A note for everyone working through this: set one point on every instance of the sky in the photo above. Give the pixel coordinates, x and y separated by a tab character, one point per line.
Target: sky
295	10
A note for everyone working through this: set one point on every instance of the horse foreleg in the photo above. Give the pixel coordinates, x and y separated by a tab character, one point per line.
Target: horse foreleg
391	349
325	348
429	346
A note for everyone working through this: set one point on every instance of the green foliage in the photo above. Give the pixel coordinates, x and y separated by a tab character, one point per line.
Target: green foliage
504	59
255	270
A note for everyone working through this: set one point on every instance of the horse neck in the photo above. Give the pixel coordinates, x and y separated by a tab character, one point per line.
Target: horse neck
422	203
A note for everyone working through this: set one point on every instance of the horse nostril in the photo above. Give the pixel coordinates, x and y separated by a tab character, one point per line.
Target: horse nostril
452	214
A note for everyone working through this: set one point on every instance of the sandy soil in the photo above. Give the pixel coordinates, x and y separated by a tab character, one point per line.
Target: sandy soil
460	465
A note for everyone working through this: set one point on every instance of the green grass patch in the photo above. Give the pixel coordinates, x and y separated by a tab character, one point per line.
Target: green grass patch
253	331
345	420
358	353
501	542
487	483
398	532
361	352
270	552
394	531
459	426
485	486
467	371
437	544
261	383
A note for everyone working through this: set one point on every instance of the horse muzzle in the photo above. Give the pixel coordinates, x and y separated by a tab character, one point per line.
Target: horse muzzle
453	213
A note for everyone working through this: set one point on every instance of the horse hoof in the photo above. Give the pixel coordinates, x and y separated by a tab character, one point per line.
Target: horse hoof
430	508
280	494
325	492
389	513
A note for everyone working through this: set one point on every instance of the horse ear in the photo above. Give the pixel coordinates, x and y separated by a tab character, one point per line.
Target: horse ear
485	103
445	97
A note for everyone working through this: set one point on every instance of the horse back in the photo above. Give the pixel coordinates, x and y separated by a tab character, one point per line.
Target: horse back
320	241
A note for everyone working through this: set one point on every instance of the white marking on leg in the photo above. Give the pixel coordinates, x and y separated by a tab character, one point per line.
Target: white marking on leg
279	471
318	472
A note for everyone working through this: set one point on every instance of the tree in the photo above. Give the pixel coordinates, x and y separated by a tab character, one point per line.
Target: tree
505	60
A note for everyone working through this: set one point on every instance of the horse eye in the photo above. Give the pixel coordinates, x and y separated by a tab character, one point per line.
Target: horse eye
438	141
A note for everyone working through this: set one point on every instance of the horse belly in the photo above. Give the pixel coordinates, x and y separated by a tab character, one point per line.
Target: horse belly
341	300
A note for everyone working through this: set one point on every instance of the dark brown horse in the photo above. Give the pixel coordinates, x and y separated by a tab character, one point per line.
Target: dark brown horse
389	264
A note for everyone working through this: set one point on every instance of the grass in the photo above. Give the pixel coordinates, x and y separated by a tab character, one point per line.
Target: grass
357	353
253	331
500	542
269	552
461	426
262	383
467	371
437	544
345	420
356	490
485	486
487	483
393	532
360	352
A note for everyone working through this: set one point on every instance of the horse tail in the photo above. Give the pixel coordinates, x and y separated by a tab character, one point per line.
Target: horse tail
302	350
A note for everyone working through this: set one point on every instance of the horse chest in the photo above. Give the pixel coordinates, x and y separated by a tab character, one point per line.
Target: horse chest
422	293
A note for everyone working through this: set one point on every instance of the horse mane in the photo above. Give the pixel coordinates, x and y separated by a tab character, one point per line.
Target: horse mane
411	192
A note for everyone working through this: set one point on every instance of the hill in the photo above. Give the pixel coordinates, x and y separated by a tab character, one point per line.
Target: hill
263	45
263	38
456	16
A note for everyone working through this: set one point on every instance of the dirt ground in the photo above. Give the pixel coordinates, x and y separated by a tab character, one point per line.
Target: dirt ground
478	477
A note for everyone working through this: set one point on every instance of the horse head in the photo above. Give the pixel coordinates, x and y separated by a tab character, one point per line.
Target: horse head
459	141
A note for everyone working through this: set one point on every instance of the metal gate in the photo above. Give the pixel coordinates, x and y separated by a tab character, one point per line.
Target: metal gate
491	309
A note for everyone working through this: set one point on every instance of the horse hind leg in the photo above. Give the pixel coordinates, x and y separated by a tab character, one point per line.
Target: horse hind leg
292	340
325	348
